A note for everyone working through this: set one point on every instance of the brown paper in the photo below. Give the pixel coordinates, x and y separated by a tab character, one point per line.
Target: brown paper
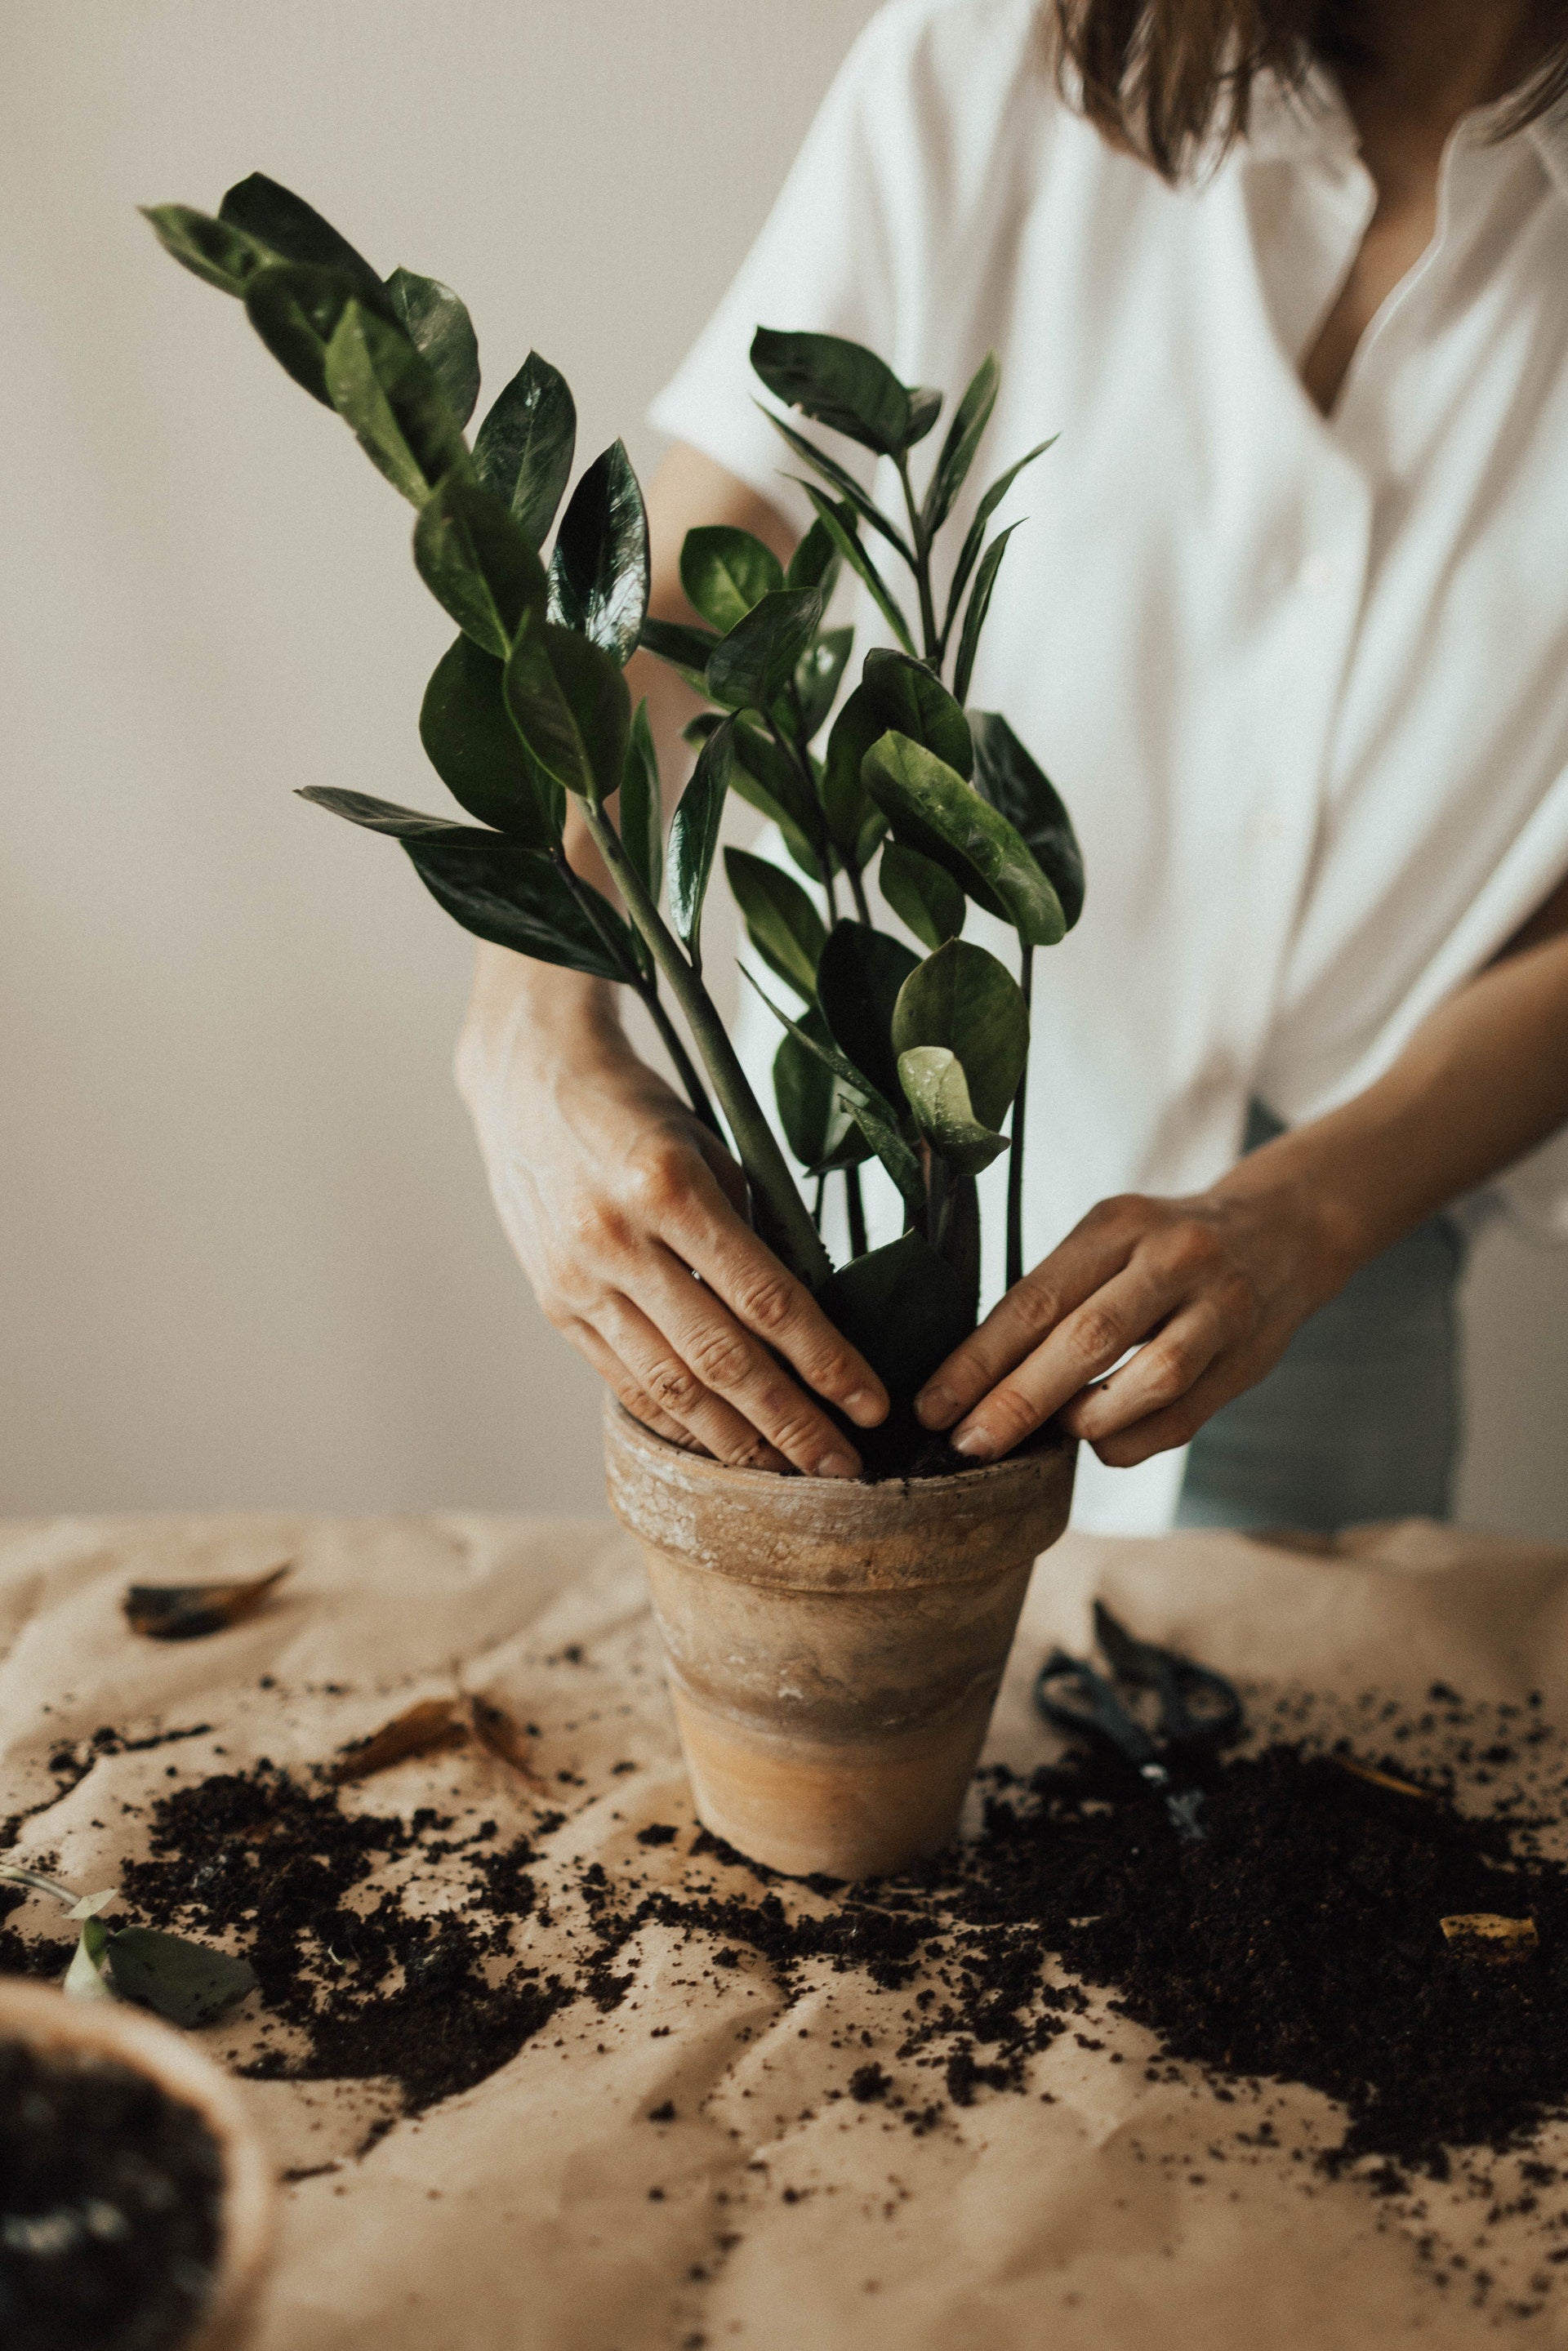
518	2217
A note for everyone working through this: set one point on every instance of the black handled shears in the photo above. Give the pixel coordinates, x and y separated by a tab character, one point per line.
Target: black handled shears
1198	1711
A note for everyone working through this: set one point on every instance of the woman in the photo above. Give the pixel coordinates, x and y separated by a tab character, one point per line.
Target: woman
1289	627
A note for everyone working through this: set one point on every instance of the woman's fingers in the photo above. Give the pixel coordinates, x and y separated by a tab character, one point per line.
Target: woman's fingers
621	1384
731	1363
1165	1370
664	1376
1091	1254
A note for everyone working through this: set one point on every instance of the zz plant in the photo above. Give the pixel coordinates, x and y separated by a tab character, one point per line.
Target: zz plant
918	1063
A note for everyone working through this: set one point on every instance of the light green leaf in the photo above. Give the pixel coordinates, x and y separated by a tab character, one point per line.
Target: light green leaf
694	836
1019	790
215	250
437	324
931	809
478	752
965	434
84	1978
570	703
384	392
782	923
920	893
599	572
963	999
476	561
726	573
937	1092
524	449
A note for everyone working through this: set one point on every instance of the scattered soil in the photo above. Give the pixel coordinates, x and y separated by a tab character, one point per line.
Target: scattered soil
109	2193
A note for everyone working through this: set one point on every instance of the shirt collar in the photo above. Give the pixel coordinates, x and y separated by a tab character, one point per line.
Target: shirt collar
1308	120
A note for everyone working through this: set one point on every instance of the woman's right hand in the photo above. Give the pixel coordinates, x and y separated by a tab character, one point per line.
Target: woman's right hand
626	1214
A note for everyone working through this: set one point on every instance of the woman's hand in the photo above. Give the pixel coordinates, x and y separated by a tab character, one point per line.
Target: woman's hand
625	1213
1209	1290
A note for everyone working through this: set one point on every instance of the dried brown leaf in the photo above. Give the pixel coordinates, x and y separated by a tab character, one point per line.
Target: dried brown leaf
1485	1935
496	1729
186	1612
430	1728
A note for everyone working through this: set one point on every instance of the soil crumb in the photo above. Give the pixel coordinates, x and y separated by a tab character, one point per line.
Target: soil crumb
110	2200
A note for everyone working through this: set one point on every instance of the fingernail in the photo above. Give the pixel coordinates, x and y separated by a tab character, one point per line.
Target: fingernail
933	1406
974	1443
864	1407
837	1464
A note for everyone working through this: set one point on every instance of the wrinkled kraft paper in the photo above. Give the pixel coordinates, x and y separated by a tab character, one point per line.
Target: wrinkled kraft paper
519	2216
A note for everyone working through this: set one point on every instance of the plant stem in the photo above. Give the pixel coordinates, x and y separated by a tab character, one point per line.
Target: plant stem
858	888
817	1199
755	1144
928	628
1014	1161
856	1207
647	988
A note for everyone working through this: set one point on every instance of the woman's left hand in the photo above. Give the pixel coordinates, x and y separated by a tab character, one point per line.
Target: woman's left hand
1208	1289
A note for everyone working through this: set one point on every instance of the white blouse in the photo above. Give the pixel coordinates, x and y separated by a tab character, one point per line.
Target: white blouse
1303	685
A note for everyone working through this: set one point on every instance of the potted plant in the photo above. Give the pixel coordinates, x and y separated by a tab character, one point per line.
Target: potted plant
833	1648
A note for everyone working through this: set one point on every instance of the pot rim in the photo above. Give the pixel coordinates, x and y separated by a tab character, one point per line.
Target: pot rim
45	2017
1046	1444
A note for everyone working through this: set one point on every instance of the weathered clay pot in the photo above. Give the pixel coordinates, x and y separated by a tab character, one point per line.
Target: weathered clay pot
48	2020
834	1649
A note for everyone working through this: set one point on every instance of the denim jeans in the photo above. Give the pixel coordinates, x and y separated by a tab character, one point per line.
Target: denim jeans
1360	1417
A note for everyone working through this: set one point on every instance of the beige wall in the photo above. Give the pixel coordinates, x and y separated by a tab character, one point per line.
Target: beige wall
246	1255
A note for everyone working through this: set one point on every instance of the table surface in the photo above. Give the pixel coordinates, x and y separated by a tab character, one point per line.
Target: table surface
519	2216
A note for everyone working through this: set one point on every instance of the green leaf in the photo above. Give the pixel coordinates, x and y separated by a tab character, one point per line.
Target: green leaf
782	923
277	217
570	703
524	449
920	893
296	309
839	524
185	1981
904	1308
694	836
215	250
979	605
476	561
965	1002
519	898
643	807
844	386
599	572
976	536
819	674
871	1112
938	1094
437	324
684	649
931	809
840	479
384	392
726	573
965	434
768	779
749	667
818	1128
910	700
84	1978
478	752
859	976
815	563
1020	790
385	815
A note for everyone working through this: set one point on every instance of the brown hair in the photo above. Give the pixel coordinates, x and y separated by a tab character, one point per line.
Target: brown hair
1164	77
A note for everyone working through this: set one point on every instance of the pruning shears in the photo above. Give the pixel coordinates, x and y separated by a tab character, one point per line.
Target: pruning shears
1198	1712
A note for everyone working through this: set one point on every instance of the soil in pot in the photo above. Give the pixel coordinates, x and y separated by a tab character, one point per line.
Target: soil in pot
110	2196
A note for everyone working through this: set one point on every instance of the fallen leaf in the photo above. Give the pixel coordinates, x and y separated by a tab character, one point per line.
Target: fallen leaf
1484	1935
186	1612
188	1982
1375	1779
497	1732
430	1728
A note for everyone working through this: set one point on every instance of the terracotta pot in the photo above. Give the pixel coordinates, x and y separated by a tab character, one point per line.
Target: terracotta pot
834	1649
48	2020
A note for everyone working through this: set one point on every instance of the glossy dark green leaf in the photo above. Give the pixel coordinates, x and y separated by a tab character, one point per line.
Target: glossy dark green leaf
839	525
839	477
296	309
524	449
476	561
726	573
569	702
904	1308
750	668
519	898
963	1001
910	700
768	779
844	386
478	752
976	537
383	391
920	893
965	434
643	807
859	974
599	572
819	674
694	836
214	250
871	1112
1019	790
437	324
815	563
684	649
931	809
845	803
780	920
937	1092
384	816
186	1982
979	605
818	1128
277	217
